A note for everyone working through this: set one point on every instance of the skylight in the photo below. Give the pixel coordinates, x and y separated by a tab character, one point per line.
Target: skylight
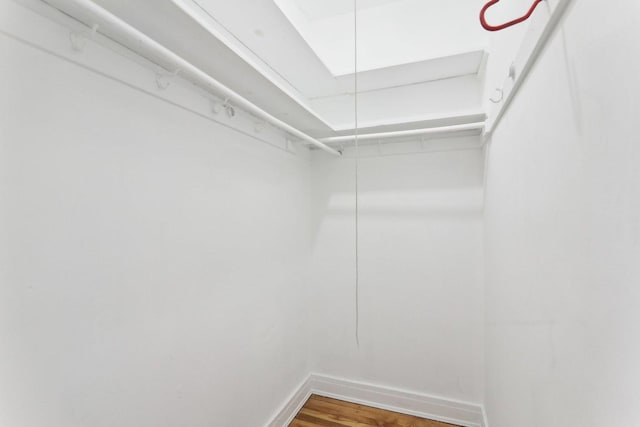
390	32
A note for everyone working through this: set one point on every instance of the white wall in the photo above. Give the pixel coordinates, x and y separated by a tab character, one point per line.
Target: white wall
563	231
152	262
421	288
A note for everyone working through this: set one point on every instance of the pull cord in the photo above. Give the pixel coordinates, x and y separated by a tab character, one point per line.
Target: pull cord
357	212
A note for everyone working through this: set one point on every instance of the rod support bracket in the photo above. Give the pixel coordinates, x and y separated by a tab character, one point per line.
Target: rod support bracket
512	71
79	39
216	107
163	80
290	145
500	93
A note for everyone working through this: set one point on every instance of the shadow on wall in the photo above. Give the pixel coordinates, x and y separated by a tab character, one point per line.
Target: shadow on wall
442	186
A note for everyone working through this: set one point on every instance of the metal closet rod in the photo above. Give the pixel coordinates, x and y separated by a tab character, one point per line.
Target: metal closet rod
93	15
406	133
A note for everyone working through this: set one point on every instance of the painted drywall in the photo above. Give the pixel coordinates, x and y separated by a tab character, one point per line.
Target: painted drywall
420	258
152	262
563	231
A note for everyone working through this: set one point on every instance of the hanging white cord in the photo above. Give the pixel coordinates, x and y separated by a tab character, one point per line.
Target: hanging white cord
355	61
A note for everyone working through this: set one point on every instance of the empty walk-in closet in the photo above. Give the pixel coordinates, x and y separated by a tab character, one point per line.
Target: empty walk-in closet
338	213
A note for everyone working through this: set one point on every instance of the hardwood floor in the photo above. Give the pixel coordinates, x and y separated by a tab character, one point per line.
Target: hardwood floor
324	412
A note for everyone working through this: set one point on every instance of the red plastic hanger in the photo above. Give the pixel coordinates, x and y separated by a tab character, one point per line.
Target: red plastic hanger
489	27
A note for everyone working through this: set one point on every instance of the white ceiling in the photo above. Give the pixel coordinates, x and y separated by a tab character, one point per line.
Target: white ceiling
389	32
423	73
321	9
314	58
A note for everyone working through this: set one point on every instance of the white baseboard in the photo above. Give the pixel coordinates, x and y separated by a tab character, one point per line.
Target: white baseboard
485	419
421	405
291	407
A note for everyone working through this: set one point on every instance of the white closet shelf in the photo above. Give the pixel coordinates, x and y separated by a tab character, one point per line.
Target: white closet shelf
102	21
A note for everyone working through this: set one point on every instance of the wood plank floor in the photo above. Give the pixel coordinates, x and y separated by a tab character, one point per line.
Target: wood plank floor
324	412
